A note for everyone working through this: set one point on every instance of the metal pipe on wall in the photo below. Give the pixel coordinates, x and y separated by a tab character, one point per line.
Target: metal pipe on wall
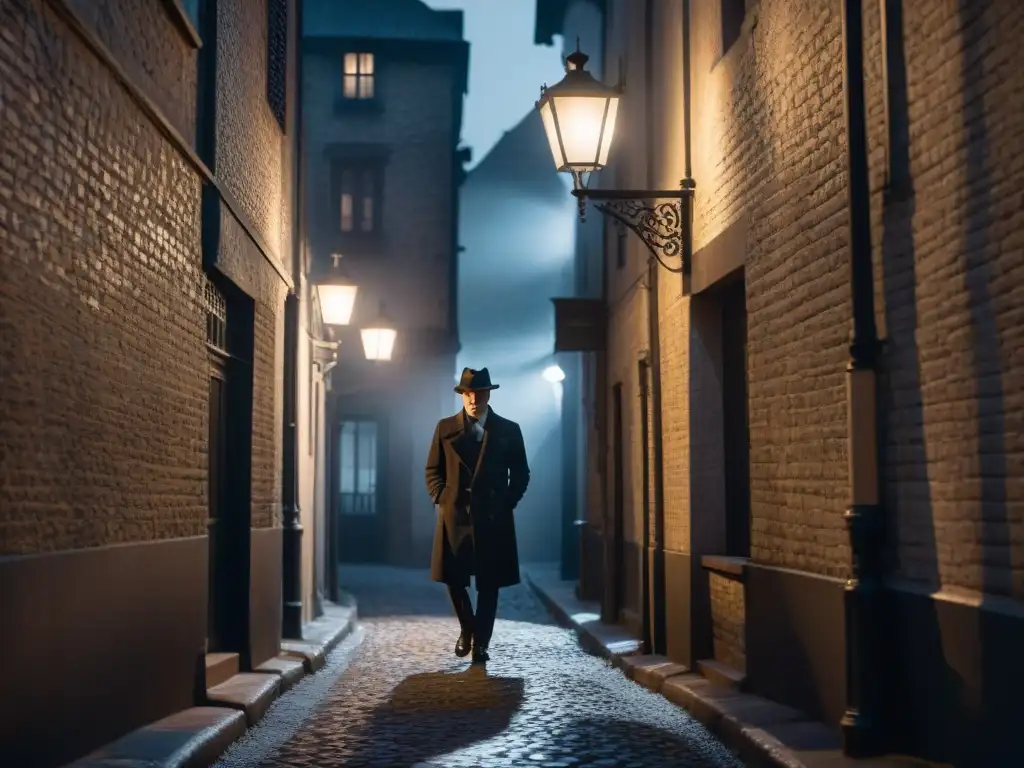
657	569
291	522
862	725
646	609
687	181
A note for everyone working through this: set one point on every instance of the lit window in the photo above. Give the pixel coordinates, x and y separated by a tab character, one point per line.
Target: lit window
357	76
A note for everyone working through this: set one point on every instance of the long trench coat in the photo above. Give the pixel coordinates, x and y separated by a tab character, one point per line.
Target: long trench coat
476	486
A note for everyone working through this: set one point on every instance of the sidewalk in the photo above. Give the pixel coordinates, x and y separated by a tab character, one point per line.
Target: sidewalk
196	737
762	733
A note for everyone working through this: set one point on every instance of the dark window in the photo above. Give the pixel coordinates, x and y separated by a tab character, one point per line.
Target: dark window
359	197
357	468
620	246
357	76
733	13
277	58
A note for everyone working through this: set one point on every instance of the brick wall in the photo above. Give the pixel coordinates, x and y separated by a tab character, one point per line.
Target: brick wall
768	140
728	621
150	49
950	274
103	404
253	158
254	166
104	423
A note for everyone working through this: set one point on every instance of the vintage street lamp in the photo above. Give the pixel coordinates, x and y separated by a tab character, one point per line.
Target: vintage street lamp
379	338
579	118
337	295
553	374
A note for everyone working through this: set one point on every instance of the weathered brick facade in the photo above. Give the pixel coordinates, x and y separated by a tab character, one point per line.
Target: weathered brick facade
113	213
104	397
768	139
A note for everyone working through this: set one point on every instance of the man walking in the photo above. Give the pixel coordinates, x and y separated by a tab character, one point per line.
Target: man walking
476	473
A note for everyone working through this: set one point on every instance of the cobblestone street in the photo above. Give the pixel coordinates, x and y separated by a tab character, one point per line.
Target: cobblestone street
394	694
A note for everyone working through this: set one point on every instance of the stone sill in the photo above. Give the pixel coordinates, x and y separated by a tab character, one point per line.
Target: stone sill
731	567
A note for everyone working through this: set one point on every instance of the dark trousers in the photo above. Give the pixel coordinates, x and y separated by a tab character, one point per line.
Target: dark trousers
480	625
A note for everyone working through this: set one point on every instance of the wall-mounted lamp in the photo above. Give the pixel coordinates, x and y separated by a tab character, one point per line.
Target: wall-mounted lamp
379	338
553	374
337	295
579	118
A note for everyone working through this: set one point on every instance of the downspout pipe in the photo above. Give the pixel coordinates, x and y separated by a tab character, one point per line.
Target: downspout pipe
862	723
657	571
687	181
291	515
643	383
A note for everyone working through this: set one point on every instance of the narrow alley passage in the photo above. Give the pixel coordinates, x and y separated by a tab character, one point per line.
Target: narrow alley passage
394	694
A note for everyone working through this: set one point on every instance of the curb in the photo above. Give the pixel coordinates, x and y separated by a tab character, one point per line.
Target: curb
760	732
198	736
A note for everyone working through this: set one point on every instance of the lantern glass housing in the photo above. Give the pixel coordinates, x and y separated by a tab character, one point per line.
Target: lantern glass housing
337	296
379	338
579	114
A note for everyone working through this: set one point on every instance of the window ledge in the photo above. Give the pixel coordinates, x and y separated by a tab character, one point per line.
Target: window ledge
182	22
732	567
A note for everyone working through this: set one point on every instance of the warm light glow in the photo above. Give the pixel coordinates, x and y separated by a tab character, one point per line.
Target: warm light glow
579	114
337	303
583	135
378	343
554	374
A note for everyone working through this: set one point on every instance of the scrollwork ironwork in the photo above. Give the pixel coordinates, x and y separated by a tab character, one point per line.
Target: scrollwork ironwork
659	225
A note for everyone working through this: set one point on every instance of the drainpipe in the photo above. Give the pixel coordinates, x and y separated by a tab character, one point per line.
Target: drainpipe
687	182
657	572
862	722
291	522
643	385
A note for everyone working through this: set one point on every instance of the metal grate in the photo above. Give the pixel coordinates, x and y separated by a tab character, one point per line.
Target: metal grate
216	317
277	58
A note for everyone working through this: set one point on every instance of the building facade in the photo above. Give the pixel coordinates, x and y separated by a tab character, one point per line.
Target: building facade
717	504
382	104
146	253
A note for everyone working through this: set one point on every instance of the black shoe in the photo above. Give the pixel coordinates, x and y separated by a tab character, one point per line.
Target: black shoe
463	644
480	655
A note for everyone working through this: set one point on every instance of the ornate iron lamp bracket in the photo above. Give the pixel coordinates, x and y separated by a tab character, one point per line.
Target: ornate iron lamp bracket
660	218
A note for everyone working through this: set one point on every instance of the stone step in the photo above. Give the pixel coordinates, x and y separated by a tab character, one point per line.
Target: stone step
251	692
722	674
220	667
191	738
291	670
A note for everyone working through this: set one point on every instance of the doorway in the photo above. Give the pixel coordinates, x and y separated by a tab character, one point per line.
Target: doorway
735	426
229	341
616	579
362	519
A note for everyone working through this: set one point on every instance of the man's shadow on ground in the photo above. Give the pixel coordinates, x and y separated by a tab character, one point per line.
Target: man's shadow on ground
434	713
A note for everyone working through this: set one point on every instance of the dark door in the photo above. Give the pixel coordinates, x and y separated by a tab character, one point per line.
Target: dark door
362	522
229	341
735	426
615	589
217	630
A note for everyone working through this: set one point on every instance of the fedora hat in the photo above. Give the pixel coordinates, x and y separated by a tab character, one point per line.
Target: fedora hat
471	381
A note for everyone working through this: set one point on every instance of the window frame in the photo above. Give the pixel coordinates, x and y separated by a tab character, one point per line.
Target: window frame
365	174
359	76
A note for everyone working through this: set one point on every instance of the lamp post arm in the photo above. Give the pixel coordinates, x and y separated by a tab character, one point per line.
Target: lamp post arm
658	217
